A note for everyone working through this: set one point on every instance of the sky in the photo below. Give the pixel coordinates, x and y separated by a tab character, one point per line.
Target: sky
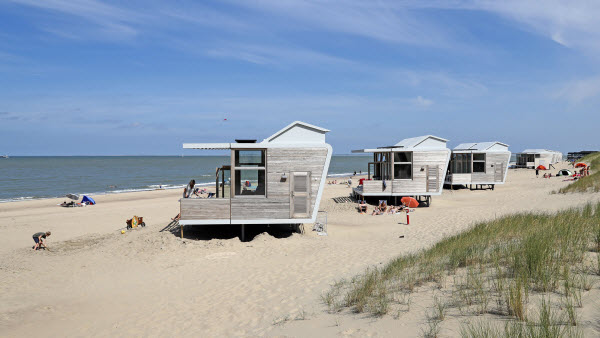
90	77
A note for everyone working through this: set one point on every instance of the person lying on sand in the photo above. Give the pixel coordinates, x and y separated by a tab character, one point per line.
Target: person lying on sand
395	210
39	238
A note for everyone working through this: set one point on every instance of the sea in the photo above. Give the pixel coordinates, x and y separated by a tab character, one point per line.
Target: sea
29	178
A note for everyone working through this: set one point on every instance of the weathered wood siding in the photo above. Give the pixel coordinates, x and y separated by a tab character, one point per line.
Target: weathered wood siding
204	208
418	184
491	160
374	187
460	178
276	205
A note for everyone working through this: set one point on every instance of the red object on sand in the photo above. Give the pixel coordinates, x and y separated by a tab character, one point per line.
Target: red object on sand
580	165
541	167
409	202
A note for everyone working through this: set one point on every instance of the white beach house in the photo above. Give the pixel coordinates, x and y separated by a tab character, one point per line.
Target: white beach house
277	181
479	164
412	167
532	158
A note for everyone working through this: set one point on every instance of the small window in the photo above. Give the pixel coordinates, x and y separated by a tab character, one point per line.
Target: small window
403	165
250	172
403	157
479	163
460	164
402	171
249	158
250	182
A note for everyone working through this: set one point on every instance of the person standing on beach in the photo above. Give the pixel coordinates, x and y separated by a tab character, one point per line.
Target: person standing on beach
189	190
39	238
537	172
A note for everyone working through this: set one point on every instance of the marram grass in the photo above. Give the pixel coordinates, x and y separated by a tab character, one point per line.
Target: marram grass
496	266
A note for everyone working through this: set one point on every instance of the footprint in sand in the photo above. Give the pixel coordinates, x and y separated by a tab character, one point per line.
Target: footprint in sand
220	255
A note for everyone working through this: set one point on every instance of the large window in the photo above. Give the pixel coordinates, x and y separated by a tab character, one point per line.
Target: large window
403	165
249	173
461	164
479	163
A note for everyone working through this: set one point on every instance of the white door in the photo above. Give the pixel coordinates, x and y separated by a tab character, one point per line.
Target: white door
433	178
300	194
499	170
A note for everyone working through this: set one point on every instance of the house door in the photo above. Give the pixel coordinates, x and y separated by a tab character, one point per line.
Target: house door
300	194
433	177
499	169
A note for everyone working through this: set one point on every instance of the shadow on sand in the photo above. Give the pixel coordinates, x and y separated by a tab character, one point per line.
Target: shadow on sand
228	231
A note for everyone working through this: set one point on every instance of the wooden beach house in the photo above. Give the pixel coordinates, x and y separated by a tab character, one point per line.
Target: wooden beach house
480	164
413	167
532	158
277	181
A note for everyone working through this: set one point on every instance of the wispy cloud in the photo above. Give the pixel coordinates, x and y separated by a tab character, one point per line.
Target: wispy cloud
110	21
580	90
274	55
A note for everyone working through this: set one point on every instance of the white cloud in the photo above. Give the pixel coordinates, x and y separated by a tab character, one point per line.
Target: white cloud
580	90
420	101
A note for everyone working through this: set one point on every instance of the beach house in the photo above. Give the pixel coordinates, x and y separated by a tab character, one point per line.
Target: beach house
413	167
533	158
480	164
277	181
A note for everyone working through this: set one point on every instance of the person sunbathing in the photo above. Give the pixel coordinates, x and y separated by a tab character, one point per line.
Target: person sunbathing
362	206
380	210
395	210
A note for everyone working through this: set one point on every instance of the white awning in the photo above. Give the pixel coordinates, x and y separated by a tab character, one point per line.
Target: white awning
212	146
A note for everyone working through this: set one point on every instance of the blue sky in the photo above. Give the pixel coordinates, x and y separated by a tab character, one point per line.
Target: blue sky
85	77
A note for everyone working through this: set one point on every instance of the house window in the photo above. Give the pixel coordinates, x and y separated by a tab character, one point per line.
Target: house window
403	165
250	173
479	163
461	164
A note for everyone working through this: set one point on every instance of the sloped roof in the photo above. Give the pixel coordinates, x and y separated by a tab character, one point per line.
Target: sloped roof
296	124
481	146
536	151
415	141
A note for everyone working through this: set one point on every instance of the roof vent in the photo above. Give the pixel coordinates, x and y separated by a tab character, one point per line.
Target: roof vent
245	141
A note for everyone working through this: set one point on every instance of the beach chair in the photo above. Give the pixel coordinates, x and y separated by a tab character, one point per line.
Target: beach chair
362	206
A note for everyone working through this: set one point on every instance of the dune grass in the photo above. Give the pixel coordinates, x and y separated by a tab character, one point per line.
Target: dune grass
495	268
588	183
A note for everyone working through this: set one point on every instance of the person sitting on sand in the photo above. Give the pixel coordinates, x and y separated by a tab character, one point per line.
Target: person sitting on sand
362	206
189	190
381	209
39	238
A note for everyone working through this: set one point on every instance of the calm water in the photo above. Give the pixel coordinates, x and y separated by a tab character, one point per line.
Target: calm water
23	178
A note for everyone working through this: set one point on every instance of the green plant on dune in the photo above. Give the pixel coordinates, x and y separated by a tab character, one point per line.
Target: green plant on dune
494	267
588	183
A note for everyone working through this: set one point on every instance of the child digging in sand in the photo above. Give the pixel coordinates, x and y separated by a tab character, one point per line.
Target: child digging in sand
39	238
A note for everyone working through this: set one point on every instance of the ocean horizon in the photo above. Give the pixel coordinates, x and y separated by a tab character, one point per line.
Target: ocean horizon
39	177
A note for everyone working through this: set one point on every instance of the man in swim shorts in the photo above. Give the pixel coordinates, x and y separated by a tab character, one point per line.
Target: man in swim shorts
39	238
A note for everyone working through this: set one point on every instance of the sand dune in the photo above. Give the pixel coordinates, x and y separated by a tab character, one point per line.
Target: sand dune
96	282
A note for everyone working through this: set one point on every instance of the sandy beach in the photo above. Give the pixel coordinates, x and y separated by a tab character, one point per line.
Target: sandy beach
95	281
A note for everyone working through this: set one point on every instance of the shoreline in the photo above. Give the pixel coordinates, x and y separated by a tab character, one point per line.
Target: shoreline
132	190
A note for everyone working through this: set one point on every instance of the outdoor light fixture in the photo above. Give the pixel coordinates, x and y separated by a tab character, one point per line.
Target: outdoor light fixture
283	177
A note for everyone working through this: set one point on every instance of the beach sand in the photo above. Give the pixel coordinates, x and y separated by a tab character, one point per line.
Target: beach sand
95	281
